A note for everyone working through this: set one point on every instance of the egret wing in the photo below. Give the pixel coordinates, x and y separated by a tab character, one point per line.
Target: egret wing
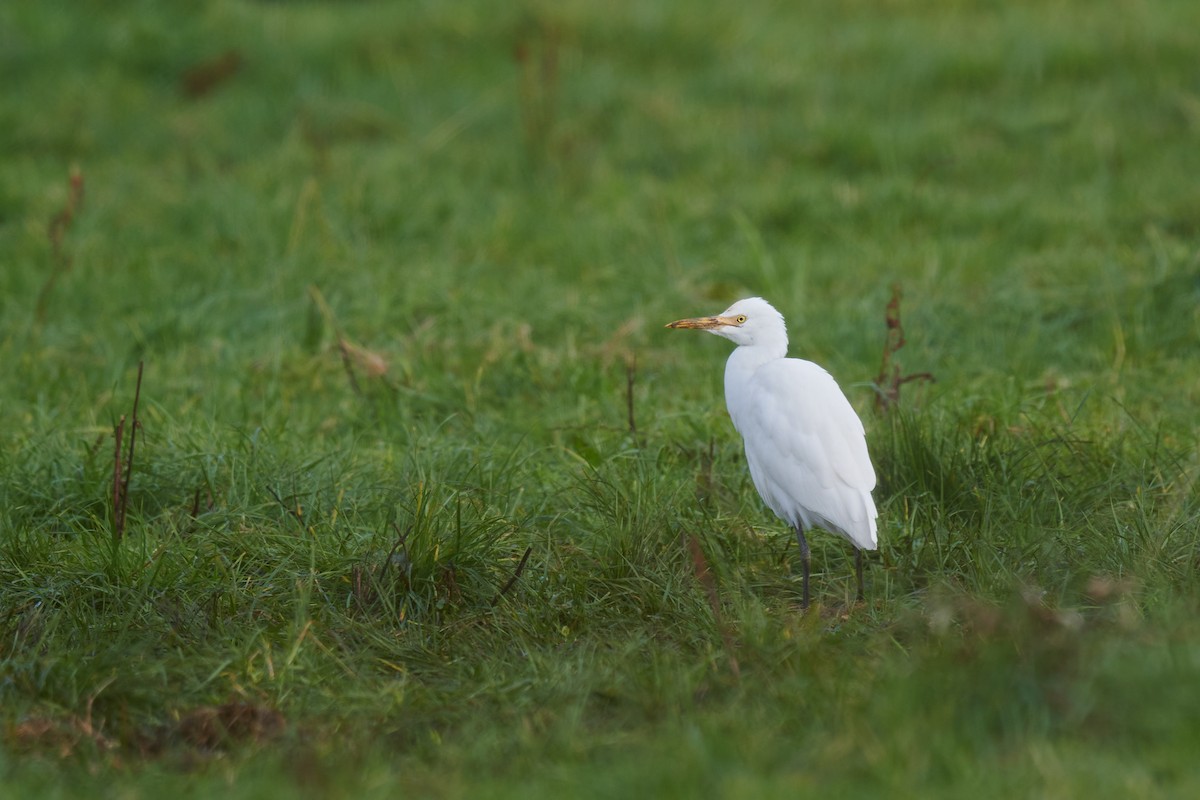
806	449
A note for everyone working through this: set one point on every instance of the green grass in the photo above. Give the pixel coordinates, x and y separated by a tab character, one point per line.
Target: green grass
502	205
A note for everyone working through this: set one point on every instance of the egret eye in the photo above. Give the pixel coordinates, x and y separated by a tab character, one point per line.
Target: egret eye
740	318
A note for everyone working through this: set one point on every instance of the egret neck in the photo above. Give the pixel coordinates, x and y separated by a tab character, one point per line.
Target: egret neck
769	345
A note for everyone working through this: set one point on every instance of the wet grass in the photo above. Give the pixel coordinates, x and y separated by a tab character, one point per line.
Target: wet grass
420	480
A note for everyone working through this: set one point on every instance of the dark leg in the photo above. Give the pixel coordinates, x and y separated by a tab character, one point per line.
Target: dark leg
804	562
858	559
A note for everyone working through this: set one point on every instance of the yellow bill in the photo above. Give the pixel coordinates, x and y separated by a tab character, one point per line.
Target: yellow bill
705	323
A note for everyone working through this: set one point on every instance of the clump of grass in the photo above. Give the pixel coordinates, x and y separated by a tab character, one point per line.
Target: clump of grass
1015	503
422	503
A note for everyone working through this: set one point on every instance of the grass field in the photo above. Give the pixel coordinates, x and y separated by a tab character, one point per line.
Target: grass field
425	502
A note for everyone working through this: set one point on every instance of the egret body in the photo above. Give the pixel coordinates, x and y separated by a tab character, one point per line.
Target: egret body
805	445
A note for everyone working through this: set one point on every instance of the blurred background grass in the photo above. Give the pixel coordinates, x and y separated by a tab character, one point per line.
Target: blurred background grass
391	267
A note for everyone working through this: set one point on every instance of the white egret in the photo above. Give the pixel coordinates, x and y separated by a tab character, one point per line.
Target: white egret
805	446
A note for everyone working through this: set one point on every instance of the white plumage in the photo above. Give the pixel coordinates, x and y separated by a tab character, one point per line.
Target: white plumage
805	445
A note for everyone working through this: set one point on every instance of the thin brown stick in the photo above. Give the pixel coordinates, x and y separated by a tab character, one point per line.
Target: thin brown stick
208	500
371	362
707	486
60	223
630	379
117	504
893	341
296	515
205	76
888	384
917	376
705	576
538	84
401	545
134	424
348	363
450	574
513	580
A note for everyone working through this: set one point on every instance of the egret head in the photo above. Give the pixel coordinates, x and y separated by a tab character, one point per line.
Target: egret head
752	321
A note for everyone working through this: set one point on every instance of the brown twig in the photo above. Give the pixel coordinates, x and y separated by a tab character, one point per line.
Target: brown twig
348	363
118	503
195	512
705	576
60	223
296	515
707	487
887	385
538	84
450	575
401	545
367	589
134	425
513	580
205	76
371	362
121	485
630	379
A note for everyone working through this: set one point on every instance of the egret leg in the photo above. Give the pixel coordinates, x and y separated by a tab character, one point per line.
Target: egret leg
858	569
804	563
